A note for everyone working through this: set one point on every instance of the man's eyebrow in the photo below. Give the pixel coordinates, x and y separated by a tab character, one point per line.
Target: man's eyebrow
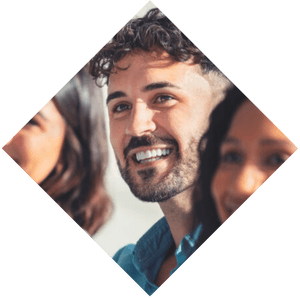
114	95
158	85
147	88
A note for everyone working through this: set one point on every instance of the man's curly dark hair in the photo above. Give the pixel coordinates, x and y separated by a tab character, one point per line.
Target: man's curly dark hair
151	32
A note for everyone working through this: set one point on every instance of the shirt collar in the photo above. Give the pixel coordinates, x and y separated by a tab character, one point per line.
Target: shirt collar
152	245
155	243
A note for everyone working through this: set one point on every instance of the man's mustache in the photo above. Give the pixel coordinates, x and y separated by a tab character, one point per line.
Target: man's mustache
146	141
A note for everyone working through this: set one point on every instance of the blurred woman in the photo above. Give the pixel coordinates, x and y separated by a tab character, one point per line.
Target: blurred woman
64	149
240	150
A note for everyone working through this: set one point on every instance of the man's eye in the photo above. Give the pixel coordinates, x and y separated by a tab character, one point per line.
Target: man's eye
121	107
163	98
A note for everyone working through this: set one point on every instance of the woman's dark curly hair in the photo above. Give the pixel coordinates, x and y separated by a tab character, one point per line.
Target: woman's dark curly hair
209	151
77	181
151	32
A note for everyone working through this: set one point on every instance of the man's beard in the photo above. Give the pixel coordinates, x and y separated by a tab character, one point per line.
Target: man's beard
178	179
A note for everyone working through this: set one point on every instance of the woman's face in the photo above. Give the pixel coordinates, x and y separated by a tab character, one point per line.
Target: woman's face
252	150
37	146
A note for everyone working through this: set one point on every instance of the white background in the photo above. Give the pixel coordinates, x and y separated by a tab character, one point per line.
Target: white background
131	217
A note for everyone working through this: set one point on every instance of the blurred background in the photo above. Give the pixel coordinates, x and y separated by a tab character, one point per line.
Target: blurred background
131	217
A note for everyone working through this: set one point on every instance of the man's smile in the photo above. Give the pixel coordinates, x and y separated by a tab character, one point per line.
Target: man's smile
144	155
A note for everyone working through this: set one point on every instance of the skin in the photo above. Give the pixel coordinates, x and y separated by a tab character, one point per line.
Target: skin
169	102
37	146
252	151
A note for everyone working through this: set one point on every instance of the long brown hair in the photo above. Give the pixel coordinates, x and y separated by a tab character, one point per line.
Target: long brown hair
77	181
209	151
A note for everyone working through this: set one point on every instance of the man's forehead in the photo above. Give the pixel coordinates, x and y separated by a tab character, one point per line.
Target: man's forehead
147	81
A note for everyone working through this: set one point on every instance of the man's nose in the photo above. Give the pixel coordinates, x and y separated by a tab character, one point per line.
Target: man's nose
141	120
248	180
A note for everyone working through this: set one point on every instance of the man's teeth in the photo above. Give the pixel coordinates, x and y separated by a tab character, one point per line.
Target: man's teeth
152	154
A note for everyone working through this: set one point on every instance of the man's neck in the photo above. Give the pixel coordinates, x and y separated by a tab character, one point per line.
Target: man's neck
179	215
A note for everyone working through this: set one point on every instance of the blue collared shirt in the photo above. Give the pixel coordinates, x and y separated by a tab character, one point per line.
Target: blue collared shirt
143	260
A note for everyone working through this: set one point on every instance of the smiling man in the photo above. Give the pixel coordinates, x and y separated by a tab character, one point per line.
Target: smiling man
161	90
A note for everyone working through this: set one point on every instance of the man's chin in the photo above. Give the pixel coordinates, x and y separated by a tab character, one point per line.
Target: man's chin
156	189
152	185
159	194
152	194
147	176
